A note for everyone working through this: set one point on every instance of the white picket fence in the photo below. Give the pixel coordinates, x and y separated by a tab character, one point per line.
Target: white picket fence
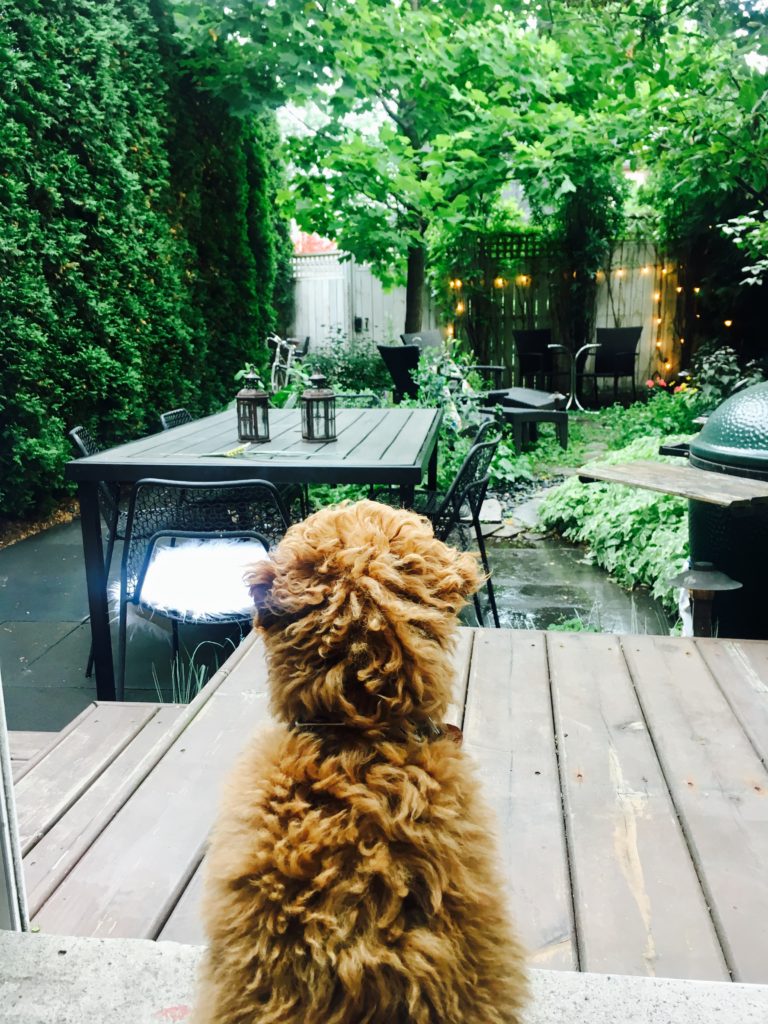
339	297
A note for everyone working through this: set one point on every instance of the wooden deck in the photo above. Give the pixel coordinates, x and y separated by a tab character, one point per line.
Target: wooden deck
628	775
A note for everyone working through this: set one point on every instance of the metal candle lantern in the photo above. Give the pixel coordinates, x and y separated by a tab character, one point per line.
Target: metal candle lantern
318	411
252	410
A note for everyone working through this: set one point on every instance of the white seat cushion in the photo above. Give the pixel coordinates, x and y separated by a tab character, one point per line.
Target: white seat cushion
201	580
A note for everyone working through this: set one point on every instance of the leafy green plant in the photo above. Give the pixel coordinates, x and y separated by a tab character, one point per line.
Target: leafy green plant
350	364
189	674
717	373
639	536
137	262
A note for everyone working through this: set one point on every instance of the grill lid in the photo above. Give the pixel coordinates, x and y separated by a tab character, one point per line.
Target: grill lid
736	433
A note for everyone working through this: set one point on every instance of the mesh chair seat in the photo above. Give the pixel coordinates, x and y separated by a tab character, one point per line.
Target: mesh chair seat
168	514
200	581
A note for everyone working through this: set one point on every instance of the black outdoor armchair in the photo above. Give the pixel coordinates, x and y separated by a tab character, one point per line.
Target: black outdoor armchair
401	361
616	356
534	357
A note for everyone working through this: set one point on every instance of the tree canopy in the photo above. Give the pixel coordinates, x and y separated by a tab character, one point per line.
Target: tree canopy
418	114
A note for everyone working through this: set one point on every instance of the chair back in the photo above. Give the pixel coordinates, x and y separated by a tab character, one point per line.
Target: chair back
401	361
533	356
424	339
174	509
300	348
85	444
175	418
618	350
469	486
486	427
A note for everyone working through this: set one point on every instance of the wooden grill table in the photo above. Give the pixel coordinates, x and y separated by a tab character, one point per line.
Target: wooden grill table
627	774
373	446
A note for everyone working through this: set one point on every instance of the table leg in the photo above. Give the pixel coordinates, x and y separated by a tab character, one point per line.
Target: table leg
407	493
96	582
432	470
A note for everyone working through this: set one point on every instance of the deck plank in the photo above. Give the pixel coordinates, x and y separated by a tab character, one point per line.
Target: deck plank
639	906
719	787
741	670
50	788
21	768
131	878
26	745
462	659
508	731
62	846
186	922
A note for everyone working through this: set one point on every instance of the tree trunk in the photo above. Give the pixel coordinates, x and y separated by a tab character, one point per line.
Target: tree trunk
414	289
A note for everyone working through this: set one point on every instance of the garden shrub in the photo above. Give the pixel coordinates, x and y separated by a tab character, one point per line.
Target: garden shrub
639	536
350	364
121	292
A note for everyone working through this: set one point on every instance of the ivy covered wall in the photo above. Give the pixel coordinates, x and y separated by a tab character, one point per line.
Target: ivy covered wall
138	250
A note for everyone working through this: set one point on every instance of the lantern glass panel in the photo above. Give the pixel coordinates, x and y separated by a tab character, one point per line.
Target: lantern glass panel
252	413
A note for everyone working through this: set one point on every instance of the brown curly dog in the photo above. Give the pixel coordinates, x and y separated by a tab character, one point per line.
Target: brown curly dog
351	876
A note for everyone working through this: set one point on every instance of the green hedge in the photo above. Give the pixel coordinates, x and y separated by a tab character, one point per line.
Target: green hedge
138	250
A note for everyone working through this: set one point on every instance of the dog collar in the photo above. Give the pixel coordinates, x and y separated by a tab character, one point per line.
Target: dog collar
427	730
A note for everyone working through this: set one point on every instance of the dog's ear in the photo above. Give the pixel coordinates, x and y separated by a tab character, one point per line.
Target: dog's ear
259	578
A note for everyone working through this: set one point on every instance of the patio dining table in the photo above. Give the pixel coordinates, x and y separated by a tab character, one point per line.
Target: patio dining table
373	446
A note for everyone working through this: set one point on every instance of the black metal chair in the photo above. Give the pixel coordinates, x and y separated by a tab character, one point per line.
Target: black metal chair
113	512
534	357
175	418
401	361
615	357
466	494
300	348
433	338
178	558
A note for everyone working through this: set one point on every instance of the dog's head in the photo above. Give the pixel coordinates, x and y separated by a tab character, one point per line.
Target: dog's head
358	611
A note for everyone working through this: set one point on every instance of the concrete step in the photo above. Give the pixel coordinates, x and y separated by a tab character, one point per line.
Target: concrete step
46	979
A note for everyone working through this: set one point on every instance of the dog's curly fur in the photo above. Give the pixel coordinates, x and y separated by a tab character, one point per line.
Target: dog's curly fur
351	876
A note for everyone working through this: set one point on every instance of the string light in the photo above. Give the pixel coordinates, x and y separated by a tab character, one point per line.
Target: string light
449	330
728	323
457	284
658	319
619	273
663	270
656	296
679	289
696	290
682	341
667	365
499	282
460	307
644	270
658	344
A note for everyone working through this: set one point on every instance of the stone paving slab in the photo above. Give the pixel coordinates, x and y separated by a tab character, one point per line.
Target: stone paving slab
45	979
42	577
